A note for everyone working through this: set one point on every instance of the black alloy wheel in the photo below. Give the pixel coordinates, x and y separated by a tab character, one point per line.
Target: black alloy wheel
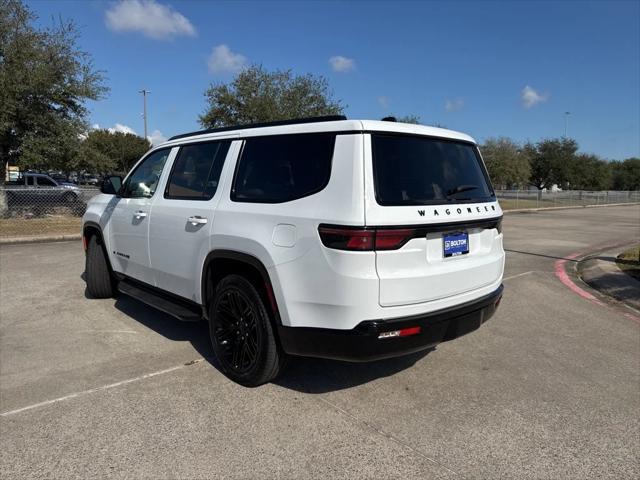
236	330
242	334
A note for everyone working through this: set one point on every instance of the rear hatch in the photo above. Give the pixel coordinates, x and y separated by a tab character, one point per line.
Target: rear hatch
435	215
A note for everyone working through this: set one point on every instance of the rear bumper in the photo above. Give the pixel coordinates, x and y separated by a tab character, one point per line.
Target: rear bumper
362	343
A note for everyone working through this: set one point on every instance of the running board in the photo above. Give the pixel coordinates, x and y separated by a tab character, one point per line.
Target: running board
182	310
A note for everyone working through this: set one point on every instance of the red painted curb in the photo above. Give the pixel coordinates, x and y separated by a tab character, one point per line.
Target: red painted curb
561	272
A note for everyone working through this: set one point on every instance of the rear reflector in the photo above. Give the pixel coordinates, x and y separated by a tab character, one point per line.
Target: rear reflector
361	239
405	332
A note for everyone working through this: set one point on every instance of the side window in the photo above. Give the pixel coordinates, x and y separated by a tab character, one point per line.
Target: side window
144	179
282	168
196	171
46	182
30	181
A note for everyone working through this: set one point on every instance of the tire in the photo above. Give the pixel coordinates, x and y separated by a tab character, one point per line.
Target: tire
241	333
100	282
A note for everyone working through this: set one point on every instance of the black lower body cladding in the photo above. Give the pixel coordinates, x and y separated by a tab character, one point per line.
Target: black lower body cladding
363	344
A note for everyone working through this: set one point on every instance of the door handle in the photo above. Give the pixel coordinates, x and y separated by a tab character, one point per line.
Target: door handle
140	214
197	220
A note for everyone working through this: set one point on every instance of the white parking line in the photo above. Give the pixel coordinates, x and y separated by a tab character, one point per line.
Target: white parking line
98	389
518	275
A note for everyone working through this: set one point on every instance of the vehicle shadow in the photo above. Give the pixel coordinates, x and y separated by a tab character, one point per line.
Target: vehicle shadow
196	333
306	375
314	375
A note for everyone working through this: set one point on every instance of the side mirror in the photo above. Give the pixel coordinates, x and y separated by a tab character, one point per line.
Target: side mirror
111	185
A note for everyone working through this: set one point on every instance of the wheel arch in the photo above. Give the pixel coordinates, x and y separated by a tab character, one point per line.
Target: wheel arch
219	263
90	229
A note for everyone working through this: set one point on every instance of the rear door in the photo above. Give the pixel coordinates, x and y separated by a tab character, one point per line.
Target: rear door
435	195
183	215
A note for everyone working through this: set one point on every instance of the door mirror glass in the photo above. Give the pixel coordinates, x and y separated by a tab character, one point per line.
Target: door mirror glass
111	184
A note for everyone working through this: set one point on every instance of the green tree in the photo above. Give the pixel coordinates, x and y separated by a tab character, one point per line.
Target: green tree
45	80
507	163
56	148
589	172
411	118
552	161
257	95
107	151
626	174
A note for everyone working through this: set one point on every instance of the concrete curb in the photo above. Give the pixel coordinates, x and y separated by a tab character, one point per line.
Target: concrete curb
521	210
40	239
601	273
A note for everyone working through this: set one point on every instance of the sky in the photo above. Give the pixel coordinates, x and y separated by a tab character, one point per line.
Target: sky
488	69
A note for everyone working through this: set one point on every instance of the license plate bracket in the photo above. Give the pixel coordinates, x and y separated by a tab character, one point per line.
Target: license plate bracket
455	244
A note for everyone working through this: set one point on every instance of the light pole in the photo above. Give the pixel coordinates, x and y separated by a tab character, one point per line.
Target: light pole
566	123
144	93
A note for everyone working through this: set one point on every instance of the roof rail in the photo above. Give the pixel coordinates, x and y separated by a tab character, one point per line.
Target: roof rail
294	121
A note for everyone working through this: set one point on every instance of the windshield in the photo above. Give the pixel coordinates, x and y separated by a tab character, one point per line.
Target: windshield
412	170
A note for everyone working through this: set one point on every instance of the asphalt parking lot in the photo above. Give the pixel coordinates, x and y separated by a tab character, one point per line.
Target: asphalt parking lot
549	388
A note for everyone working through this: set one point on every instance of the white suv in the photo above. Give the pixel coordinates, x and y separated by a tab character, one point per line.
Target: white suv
326	237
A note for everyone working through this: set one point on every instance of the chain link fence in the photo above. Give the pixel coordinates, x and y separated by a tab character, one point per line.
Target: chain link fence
28	212
517	199
47	211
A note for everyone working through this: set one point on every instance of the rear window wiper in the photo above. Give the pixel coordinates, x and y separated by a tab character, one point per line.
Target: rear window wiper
461	188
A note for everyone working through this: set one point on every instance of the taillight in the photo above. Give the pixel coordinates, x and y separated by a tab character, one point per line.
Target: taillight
345	238
393	239
361	239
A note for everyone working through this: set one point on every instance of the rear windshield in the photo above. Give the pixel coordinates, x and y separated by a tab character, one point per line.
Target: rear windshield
410	170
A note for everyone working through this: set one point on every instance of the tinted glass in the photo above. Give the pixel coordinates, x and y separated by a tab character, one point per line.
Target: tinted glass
30	181
283	168
196	171
420	170
142	183
46	182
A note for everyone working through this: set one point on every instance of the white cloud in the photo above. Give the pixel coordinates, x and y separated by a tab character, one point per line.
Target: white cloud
342	64
152	19
223	60
156	138
119	127
383	101
530	97
453	105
